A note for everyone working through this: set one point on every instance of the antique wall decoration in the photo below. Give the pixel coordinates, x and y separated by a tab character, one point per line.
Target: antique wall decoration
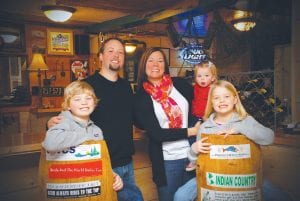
60	42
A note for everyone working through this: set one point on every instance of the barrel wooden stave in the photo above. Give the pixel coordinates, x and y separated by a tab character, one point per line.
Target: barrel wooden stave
106	177
242	166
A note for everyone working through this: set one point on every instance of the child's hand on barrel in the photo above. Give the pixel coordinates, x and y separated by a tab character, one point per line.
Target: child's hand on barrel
229	131
201	146
118	183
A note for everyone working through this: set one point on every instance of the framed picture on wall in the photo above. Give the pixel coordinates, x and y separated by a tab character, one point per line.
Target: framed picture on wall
167	53
79	69
38	41
60	42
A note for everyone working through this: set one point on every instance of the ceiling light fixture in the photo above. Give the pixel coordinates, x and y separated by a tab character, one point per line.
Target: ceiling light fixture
244	24
9	37
9	34
58	13
130	48
243	20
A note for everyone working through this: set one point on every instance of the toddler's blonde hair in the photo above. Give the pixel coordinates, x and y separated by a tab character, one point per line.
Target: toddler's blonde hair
207	64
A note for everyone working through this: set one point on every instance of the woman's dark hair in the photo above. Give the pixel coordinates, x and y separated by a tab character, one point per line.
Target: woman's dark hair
102	47
142	77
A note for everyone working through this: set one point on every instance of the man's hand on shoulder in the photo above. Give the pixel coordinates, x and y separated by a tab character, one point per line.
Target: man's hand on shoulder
53	121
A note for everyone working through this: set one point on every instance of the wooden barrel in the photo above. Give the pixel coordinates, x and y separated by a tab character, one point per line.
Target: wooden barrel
231	171
81	173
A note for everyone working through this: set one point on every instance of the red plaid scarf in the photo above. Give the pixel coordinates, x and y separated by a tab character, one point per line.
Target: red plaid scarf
160	93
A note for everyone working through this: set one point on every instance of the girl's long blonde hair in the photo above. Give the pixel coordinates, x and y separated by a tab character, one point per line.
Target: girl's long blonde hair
76	88
238	107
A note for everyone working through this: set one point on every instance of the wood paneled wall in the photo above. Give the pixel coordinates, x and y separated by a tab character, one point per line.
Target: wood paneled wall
58	65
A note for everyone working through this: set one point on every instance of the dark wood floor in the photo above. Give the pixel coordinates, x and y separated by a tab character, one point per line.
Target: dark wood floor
143	172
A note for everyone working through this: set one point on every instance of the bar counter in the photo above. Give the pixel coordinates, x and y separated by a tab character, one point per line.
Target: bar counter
22	143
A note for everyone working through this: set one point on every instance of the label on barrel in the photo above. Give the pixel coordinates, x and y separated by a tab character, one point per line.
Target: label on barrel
75	170
80	152
212	195
238	151
230	180
73	190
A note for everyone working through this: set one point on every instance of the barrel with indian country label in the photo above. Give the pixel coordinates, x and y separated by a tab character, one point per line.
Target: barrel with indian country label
231	171
81	173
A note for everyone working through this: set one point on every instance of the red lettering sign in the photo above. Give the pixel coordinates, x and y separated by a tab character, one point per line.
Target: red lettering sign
75	170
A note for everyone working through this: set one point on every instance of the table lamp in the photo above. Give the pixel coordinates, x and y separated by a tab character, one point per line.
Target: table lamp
38	64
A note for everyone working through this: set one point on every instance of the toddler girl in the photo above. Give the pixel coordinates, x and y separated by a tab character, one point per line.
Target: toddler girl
205	74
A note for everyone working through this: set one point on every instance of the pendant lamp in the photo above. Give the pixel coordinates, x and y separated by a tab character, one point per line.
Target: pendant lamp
58	13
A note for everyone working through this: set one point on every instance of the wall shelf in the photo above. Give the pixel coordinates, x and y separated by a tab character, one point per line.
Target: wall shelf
46	110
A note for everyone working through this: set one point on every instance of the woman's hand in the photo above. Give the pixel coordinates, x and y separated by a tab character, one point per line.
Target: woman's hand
53	121
201	146
118	183
194	130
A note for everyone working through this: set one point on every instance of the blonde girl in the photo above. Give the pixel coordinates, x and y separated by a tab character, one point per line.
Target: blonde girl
224	115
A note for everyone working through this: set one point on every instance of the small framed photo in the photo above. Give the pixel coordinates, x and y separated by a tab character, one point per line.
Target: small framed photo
79	69
60	42
38	41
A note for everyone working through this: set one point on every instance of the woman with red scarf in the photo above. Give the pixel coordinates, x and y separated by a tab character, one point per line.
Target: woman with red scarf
162	108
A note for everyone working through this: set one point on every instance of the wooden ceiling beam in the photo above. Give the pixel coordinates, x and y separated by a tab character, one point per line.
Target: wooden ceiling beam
113	25
132	21
186	7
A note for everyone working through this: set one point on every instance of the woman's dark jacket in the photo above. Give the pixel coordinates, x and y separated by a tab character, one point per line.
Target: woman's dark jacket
145	119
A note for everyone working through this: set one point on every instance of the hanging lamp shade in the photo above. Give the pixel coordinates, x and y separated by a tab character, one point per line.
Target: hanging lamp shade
130	48
9	37
58	13
9	34
243	20
38	63
244	24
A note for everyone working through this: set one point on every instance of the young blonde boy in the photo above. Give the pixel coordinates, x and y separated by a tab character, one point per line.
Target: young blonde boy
76	126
